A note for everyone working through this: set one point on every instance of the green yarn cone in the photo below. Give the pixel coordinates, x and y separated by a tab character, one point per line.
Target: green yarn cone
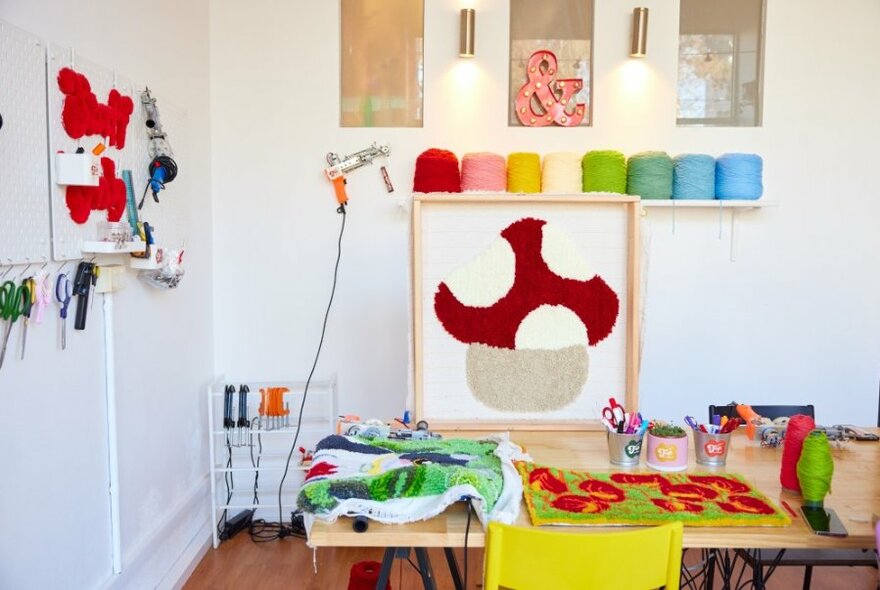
604	172
815	468
649	175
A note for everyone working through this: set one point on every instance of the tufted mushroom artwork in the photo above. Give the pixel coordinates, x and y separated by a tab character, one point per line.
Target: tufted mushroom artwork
528	307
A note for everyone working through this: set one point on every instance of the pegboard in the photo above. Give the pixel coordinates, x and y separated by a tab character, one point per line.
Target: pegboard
24	175
67	236
168	217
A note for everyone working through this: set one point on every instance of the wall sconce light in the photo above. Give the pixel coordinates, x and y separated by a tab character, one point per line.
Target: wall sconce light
639	33
466	32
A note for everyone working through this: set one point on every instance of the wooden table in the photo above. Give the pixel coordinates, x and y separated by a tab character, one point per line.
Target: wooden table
855	497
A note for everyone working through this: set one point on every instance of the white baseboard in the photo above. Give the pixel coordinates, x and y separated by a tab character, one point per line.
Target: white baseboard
167	555
189	559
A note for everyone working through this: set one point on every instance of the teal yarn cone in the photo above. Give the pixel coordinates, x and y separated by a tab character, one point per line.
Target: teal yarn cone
739	176
604	171
693	177
815	468
649	175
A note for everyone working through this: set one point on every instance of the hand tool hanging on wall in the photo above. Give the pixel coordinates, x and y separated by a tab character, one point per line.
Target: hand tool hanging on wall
62	295
339	167
145	230
162	168
43	295
29	296
11	304
86	278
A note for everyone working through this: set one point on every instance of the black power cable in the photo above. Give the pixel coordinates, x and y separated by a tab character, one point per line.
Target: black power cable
467	530
262	531
170	166
227	475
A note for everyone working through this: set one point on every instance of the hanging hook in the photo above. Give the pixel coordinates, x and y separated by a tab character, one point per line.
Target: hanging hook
25	270
8	270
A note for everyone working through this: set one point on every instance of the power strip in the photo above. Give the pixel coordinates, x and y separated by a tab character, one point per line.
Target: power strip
236	524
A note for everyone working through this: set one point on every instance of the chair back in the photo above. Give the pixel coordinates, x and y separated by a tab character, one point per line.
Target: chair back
535	559
771	412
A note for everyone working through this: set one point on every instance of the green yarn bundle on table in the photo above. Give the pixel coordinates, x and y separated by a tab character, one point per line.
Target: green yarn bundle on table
604	172
649	175
815	468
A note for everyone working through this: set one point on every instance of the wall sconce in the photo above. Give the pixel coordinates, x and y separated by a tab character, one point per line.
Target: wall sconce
639	33
466	32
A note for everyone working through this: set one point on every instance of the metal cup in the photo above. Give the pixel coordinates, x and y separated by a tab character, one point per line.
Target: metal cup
624	449
711	449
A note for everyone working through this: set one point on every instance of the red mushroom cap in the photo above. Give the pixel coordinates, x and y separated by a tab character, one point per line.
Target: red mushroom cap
593	301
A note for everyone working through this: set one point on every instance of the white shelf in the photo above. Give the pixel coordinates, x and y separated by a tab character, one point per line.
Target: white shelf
260	468
112	247
707	203
310	423
249	506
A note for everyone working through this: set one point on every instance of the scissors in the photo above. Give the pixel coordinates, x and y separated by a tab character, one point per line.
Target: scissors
28	296
62	294
42	295
614	414
11	305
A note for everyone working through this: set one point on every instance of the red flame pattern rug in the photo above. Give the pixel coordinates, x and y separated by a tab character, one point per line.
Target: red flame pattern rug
562	496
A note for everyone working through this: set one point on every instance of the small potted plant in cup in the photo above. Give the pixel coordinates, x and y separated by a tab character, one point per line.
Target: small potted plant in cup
667	447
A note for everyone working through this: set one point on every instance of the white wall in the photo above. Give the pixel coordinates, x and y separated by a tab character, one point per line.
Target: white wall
53	501
794	319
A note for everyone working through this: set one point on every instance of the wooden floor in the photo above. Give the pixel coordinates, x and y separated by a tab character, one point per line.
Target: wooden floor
287	564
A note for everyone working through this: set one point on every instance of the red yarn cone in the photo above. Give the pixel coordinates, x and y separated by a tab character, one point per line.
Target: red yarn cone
799	426
437	172
364	575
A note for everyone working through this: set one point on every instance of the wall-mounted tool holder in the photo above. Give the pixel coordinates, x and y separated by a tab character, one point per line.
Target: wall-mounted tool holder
77	169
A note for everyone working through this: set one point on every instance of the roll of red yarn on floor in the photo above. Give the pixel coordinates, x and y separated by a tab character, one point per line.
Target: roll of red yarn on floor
799	426
364	575
437	172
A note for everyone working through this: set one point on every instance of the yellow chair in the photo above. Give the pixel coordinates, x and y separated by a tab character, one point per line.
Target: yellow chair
534	559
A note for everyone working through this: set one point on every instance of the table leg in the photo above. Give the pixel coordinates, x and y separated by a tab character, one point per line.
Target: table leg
425	567
385	572
726	566
758	571
711	555
453	568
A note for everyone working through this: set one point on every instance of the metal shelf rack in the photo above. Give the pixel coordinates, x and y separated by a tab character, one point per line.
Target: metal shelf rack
319	419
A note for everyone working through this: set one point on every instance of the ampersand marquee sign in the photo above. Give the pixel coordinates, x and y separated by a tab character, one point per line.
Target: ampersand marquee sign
554	96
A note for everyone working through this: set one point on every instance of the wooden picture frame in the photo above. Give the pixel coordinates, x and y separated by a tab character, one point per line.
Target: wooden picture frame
477	205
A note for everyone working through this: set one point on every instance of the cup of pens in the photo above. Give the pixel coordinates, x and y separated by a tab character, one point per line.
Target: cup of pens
625	433
711	449
624	449
712	441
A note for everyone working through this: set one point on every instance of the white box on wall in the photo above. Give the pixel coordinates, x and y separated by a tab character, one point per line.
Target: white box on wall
77	169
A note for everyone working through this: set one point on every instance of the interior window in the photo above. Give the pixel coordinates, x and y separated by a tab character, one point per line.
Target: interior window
720	63
382	63
564	27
